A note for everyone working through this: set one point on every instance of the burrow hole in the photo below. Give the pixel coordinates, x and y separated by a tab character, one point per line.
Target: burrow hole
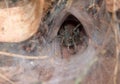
73	37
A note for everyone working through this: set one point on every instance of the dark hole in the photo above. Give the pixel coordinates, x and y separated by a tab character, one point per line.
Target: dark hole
118	14
72	34
119	26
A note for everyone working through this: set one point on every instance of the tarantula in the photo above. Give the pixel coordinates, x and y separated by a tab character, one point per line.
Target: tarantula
70	36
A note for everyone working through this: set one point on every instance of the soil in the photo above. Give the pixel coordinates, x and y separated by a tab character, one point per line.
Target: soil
88	64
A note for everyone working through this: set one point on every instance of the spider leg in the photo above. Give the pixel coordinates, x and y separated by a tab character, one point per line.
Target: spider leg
74	45
61	44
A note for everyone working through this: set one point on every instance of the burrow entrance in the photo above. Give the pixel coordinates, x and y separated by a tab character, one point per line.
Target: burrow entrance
73	37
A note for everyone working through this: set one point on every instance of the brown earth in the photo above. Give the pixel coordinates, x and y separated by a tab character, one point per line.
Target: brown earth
92	63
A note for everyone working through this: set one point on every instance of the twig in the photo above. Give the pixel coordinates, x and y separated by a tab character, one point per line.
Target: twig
115	27
23	56
117	55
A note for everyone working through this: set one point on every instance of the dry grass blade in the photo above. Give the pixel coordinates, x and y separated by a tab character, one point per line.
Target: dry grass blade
115	27
6	79
23	56
117	56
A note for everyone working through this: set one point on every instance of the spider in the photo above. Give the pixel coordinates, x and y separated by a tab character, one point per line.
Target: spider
70	35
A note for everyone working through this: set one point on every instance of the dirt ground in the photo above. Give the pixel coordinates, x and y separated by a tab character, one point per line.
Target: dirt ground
87	61
85	67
